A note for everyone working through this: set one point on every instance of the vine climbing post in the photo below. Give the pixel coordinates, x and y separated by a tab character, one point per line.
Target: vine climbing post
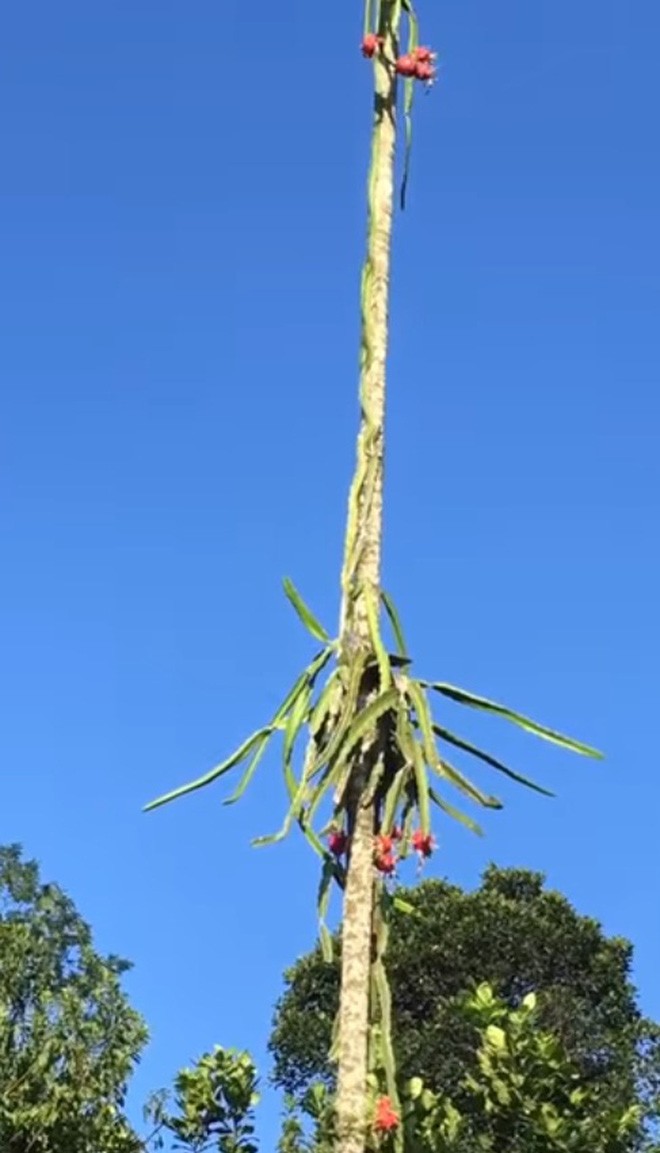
375	757
361	586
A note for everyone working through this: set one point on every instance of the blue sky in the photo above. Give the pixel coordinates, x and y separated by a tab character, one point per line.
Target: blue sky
181	228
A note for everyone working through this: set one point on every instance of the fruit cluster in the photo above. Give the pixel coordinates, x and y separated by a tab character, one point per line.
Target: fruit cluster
386	1117
385	858
417	64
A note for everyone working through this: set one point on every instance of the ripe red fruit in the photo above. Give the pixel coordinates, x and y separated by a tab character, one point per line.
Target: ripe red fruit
423	843
424	55
396	833
386	1117
406	65
371	44
424	70
337	843
385	863
384	844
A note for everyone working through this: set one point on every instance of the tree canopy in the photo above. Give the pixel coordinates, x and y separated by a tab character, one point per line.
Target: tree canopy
68	1036
518	937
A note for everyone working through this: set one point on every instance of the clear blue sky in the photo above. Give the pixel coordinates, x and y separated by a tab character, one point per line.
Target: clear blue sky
181	227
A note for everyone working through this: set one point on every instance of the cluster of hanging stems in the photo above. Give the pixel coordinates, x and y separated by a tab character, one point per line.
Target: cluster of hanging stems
404	783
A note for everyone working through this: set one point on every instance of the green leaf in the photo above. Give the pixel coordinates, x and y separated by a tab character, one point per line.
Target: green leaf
306	615
413	28
295	808
349	704
296	719
320	661
317	846
463	697
483	996
406	741
366	719
371	607
322	707
393	798
422	789
466	746
408	98
415	1088
323	900
292	705
385	1006
454	813
395	622
419	704
300	683
258	741
248	774
375	777
295	789
338	769
325	939
408	816
402	906
405	733
496	1037
440	766
333	1053
328	779
235	759
451	774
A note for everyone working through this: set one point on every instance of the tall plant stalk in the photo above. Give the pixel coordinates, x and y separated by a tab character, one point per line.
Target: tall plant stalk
361	583
376	758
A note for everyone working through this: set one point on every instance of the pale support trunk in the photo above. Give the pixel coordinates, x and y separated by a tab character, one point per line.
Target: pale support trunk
362	570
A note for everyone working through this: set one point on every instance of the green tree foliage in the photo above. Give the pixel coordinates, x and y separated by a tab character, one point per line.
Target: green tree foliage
214	1105
520	938
68	1037
524	1094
